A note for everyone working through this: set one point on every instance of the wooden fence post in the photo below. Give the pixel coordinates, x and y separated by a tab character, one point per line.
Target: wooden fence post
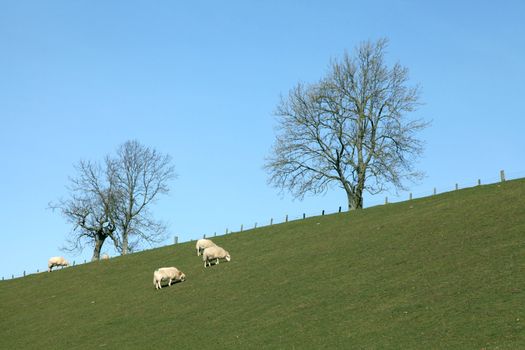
271	221
479	182
502	175
304	216
226	230
322	212
255	226
286	220
176	240
24	273
410	196
204	236
435	191
242	226
339	208
457	187
386	200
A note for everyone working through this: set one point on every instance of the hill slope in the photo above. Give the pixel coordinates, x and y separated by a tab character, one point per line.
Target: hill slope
443	272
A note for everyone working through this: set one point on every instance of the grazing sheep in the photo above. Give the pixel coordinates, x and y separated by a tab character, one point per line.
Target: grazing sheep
167	273
105	257
215	252
56	261
203	244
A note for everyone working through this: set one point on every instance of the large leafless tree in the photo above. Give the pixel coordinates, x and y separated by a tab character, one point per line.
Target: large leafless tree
113	199
351	129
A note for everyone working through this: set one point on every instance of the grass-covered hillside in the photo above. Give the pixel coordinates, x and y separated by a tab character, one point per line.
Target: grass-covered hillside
443	272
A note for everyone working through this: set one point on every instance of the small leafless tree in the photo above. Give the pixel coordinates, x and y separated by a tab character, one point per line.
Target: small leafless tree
89	209
112	200
350	129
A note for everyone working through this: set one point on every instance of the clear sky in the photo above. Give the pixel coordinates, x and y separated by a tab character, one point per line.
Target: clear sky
200	80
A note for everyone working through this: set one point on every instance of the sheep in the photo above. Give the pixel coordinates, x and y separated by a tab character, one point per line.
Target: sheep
215	252
105	256
56	261
167	273
203	244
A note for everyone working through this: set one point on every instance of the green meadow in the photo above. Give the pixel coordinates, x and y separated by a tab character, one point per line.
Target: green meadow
441	272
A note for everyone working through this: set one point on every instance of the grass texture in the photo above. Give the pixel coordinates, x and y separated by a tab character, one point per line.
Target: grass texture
442	272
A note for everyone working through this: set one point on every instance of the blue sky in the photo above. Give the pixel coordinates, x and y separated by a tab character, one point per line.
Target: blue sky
200	80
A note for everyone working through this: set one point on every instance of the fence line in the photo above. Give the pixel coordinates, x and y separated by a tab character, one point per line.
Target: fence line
502	178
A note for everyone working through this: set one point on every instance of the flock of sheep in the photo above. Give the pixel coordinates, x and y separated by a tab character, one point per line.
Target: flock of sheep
210	251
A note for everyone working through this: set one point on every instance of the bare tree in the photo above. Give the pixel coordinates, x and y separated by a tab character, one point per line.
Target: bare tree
140	174
113	200
90	209
350	129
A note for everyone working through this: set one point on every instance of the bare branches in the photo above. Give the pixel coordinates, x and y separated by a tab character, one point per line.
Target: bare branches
89	211
141	174
349	129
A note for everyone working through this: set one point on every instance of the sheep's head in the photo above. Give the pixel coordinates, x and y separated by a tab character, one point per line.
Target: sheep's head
228	257
182	277
66	263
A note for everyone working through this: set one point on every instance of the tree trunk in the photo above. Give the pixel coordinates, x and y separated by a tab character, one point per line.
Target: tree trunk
99	241
349	199
359	188
355	198
358	198
124	243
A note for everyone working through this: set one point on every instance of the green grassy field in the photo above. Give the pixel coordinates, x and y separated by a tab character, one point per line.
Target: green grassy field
443	272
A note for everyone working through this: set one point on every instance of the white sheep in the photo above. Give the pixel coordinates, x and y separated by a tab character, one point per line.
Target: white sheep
215	252
203	244
105	256
167	273
56	261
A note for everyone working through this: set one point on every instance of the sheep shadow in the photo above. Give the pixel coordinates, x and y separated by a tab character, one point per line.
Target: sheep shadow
166	285
215	263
